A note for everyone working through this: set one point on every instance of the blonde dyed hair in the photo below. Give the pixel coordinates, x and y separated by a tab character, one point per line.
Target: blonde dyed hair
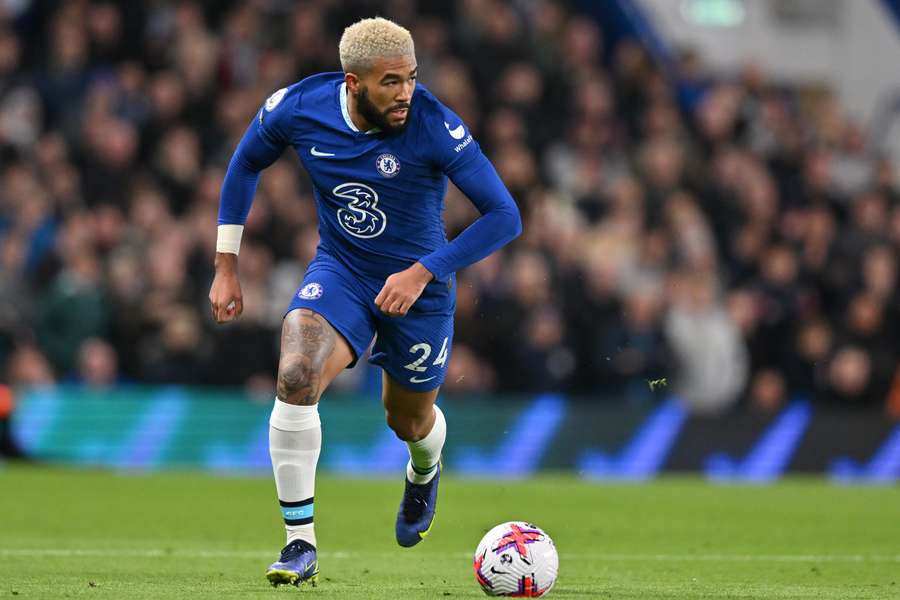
368	39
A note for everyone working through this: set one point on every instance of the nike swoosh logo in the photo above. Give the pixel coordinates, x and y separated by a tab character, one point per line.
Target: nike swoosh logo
315	152
456	134
415	379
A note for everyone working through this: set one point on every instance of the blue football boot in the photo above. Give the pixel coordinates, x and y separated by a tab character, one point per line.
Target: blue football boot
297	564
416	514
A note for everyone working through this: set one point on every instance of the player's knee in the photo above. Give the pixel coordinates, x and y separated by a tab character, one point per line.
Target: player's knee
408	428
298	379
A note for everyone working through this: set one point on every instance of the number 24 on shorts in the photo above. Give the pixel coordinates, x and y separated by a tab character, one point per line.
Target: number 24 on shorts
425	349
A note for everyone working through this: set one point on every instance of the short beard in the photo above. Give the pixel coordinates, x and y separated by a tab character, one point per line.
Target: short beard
370	113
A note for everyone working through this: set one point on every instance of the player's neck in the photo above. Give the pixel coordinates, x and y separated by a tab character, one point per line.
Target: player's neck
361	123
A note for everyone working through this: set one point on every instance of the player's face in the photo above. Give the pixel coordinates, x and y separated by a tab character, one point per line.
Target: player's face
384	93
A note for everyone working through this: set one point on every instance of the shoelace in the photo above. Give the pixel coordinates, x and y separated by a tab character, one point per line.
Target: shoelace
414	505
295	549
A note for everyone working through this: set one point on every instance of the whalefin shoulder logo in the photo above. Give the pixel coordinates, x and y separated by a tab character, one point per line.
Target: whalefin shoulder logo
456	134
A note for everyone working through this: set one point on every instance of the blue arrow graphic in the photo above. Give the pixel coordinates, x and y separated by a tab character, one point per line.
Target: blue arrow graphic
768	459
524	445
643	456
884	467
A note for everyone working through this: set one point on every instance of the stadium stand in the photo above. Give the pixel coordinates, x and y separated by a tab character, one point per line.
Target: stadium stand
742	245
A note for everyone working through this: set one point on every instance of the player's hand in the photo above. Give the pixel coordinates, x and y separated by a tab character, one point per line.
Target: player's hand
401	290
225	296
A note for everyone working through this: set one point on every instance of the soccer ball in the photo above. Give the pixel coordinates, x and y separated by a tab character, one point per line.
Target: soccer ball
516	559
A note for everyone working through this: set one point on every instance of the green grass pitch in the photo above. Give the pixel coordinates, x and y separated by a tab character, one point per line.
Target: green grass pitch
89	534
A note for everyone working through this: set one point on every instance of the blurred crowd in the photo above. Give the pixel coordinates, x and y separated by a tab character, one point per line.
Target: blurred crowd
737	243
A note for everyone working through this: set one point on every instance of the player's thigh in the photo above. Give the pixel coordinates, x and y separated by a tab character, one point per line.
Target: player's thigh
414	350
330	291
312	355
327	327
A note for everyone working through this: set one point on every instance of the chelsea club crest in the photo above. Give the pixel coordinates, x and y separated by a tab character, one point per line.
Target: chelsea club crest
387	165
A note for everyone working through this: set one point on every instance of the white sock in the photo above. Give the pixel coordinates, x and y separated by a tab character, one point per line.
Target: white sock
425	454
295	439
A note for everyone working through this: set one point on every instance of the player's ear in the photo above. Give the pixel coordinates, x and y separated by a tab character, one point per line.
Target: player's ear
352	81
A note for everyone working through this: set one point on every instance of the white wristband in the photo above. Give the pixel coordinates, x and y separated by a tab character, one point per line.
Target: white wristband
229	238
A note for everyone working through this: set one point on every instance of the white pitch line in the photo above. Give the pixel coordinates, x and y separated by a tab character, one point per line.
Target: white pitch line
743	557
600	557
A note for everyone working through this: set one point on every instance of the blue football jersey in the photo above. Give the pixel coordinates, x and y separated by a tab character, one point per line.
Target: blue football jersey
379	196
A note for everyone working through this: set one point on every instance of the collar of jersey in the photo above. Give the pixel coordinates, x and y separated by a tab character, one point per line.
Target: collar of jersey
346	112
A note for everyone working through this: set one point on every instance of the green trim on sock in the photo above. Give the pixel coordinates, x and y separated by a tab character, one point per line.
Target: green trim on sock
425	471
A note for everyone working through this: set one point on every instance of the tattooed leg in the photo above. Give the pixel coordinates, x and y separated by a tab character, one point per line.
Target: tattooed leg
312	354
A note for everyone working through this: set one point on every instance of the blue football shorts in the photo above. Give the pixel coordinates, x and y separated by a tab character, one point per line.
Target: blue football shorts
413	349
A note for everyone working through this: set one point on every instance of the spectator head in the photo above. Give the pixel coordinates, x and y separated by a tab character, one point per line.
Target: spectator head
196	57
150	213
601	275
661	119
594	98
870	213
452	82
69	45
178	157
814	341
820	225
630	61
743	309
521	85
661	162
849	372
582	44
760	200
531	281
643	307
865	316
505	127
693	291
29	366
167	96
10	51
12	254
545	329
879	267
181	331
125	276
817	170
549	18
105	25
98	363
114	141
517	167
718	112
21	117
768	391
502	25
779	266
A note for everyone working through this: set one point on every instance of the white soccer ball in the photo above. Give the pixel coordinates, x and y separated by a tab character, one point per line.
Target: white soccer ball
516	559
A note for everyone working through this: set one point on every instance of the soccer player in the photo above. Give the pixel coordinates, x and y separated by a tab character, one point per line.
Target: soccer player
378	149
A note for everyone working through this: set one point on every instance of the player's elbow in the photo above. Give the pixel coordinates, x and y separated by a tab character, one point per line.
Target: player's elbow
514	219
